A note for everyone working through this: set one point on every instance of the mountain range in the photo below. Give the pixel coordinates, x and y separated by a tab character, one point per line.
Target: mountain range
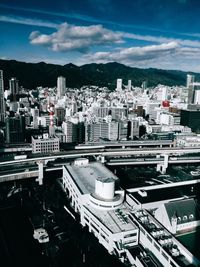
31	75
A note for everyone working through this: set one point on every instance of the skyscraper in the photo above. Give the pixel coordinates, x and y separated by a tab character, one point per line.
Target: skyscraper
61	86
14	88
2	102
119	85
190	80
15	129
129	85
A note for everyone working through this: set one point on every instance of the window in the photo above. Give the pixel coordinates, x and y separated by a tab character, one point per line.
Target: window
165	256
156	246
130	235
150	239
185	217
191	216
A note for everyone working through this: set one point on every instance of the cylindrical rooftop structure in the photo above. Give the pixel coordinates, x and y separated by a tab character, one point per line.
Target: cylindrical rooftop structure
105	188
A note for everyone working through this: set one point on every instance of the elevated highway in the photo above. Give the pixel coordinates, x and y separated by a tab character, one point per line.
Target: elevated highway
163	157
154	161
171	151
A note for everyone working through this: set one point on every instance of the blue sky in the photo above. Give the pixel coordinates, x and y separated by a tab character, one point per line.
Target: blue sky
141	33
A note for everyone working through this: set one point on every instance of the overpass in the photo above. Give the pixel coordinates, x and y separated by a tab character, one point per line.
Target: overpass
107	153
162	160
153	161
18	176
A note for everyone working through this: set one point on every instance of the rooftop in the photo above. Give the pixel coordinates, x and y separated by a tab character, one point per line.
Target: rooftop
85	176
116	221
161	194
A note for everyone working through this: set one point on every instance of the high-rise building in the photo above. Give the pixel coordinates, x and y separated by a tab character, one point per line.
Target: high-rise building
191	93
35	115
197	95
2	101
101	112
129	85
15	129
123	130
144	85
133	129
96	131
14	88
118	113
70	131
119	84
191	118
190	80
61	86
60	115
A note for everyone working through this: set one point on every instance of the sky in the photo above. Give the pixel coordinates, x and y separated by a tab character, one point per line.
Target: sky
161	34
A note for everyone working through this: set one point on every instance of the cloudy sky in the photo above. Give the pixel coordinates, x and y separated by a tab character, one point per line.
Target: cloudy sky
142	33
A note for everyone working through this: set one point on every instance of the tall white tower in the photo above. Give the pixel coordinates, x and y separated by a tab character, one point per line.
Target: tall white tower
61	86
190	80
2	102
129	85
119	84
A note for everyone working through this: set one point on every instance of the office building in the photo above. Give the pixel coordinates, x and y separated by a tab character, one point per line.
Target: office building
191	118
190	80
129	85
123	130
15	129
94	132
128	227
118	113
2	101
144	86
91	188
44	144
70	131
61	86
60	115
133	129
35	116
197	95
101	112
14	89
119	85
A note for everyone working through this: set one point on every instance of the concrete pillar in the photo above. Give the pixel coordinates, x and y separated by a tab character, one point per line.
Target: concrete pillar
166	161
40	173
102	159
162	167
158	167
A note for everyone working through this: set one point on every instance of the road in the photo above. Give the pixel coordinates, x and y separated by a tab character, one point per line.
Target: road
105	153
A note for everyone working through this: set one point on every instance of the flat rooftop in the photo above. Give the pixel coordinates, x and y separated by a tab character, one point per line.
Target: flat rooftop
85	176
161	194
116	221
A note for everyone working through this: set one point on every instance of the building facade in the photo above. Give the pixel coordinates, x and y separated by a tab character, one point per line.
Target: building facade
15	129
2	101
61	86
44	144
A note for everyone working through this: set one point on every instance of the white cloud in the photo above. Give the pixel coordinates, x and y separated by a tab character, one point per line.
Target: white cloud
27	21
165	56
80	38
135	53
161	39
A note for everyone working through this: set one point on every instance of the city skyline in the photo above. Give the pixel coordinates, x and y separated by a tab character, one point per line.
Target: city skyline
138	33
